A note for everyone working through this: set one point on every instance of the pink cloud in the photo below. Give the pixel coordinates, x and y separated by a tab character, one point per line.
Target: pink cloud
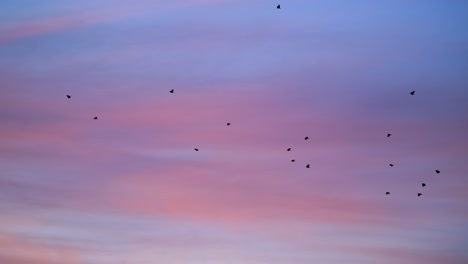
18	250
115	12
201	195
55	24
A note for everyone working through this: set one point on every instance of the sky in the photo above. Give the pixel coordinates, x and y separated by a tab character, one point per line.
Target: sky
130	188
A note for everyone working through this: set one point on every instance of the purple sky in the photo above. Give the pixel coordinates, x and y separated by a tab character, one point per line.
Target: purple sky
129	188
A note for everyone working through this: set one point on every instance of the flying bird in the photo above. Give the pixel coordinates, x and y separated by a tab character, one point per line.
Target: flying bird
228	124
289	149
308	166
68	96
391	165
419	194
412	93
387	193
388	135
171	91
293	160
278	7
95	118
196	149
437	171
423	184
306	138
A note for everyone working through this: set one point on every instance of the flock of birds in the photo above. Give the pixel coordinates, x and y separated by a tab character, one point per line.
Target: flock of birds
391	165
306	138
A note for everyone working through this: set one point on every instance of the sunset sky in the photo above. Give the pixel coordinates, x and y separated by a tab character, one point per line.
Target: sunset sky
129	188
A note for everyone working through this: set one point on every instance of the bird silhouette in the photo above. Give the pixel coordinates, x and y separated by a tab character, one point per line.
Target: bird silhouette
391	165
95	118
419	194
228	124
289	149
278	6
196	149
437	171
68	96
388	135
308	166
306	138
423	184
293	160
387	193
171	91
412	93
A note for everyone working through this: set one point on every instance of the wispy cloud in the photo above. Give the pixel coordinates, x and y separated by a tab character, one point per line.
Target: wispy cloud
119	10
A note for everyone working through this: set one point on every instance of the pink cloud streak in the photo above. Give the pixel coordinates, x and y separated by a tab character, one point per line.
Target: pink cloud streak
15	31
